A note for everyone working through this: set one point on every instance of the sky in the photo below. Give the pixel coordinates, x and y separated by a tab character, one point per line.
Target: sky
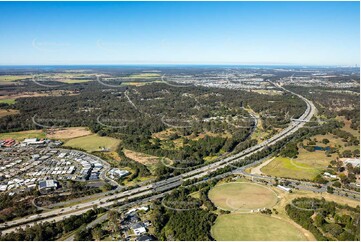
269	33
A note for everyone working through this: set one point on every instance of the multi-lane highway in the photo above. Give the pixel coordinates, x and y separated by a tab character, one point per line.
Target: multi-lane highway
164	185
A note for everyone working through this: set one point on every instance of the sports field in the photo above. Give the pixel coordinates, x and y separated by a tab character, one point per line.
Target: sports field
93	142
242	196
254	227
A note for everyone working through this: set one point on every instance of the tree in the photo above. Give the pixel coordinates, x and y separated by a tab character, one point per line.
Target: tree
97	233
325	141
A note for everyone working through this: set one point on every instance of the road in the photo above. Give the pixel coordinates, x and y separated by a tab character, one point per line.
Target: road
167	184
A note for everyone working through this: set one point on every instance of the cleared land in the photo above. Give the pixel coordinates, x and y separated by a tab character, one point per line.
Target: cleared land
141	157
10	98
71	81
242	196
286	167
6	79
7	100
254	227
257	170
144	75
93	142
7	112
68	133
20	136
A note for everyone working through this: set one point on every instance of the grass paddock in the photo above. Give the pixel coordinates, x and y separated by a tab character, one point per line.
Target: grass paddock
93	142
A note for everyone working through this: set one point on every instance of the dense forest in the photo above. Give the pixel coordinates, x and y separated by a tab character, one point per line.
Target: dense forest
180	216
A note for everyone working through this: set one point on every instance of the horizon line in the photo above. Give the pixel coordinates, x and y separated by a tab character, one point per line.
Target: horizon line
187	64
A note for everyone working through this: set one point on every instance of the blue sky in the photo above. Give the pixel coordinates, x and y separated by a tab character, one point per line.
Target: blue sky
299	33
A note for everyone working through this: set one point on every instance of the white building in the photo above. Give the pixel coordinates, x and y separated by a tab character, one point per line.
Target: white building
48	184
33	141
116	173
139	229
355	162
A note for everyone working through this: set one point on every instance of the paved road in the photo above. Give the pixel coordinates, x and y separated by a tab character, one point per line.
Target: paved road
302	185
170	183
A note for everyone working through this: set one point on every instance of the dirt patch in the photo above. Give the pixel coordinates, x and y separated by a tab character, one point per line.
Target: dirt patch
141	157
68	133
162	135
257	169
37	94
7	112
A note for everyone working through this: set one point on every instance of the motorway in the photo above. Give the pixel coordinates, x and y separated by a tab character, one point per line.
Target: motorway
164	185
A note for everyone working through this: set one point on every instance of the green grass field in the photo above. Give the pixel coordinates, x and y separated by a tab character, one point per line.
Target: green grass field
242	196
144	75
72	81
93	142
306	166
10	78
20	136
8	101
252	227
285	167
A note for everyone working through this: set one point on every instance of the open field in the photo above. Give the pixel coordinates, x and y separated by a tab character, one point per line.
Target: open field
72	81
20	136
11	97
93	142
268	92
141	157
136	84
242	196
7	112
7	100
248	226
254	227
12	78
144	75
286	167
68	133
